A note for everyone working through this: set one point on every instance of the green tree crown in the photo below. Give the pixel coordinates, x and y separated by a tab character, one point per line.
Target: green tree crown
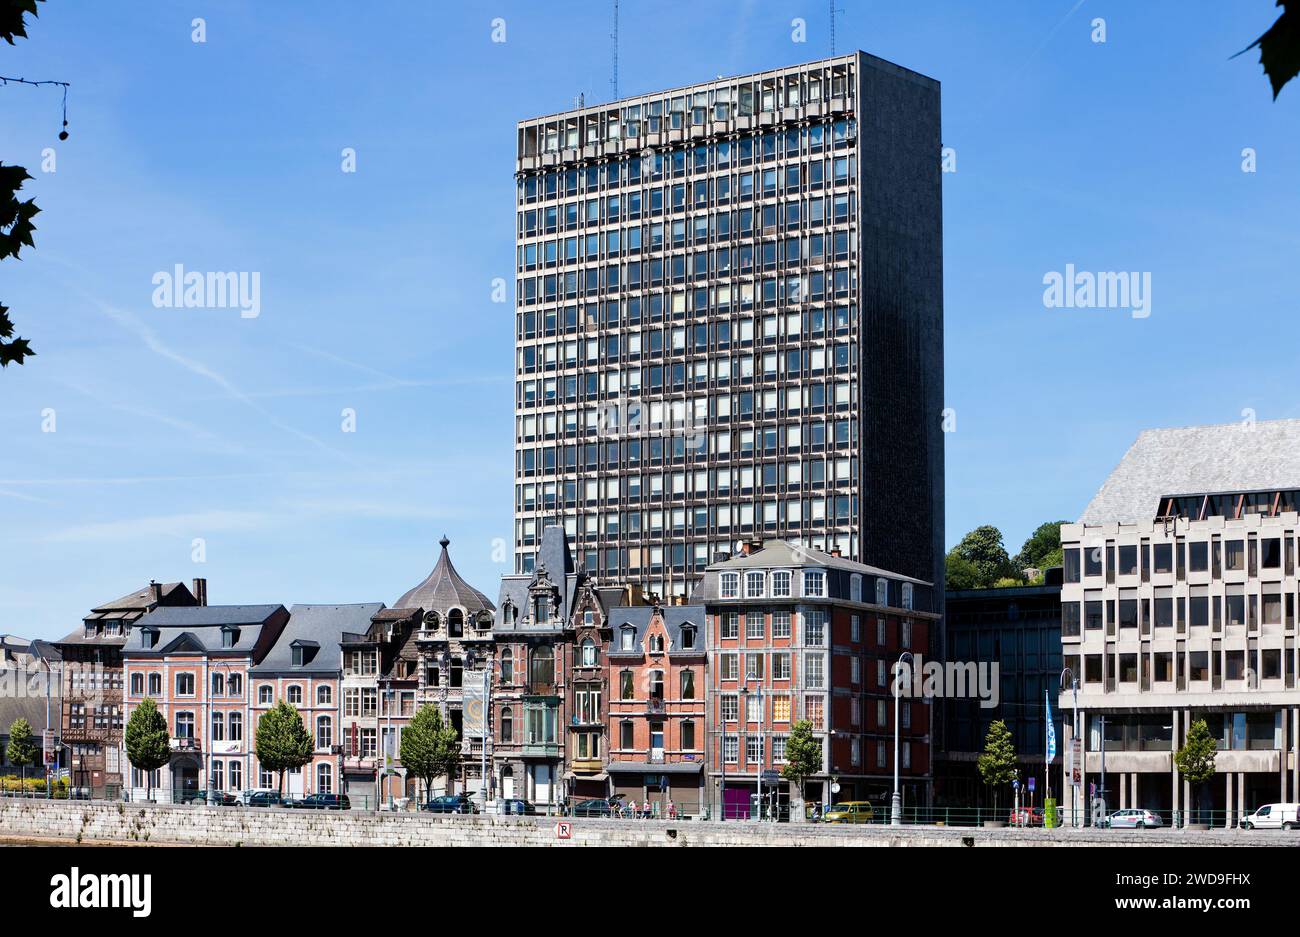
282	741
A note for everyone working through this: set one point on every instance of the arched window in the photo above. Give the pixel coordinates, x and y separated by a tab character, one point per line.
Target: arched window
236	685
324	695
218	685
455	623
324	778
155	684
324	732
656	644
218	727
507	666
507	725
590	656
265	694
542	672
295	695
431	621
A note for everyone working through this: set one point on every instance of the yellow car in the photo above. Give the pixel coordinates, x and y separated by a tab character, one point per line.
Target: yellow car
851	811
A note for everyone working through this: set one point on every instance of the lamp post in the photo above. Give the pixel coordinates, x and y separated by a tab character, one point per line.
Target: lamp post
1074	736
896	807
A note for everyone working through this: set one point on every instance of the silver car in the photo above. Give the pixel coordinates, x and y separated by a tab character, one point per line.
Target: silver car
1133	820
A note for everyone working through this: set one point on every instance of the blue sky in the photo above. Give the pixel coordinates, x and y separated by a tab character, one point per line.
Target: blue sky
176	424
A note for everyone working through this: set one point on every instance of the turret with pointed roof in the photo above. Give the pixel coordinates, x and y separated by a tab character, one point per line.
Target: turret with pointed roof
444	589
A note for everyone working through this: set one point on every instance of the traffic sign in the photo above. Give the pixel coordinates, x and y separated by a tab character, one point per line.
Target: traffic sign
1031	782
564	830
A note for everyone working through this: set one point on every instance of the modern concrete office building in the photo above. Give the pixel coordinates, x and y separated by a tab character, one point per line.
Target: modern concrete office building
1179	603
730	323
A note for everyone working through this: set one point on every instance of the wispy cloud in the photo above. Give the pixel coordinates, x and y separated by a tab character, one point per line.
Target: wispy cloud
156	345
194	524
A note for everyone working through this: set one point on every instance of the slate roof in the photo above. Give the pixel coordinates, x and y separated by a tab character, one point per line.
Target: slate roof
638	616
317	628
779	553
1191	460
444	589
555	560
199	628
128	609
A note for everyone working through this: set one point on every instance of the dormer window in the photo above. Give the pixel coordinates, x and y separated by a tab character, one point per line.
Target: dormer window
299	654
627	638
882	591
656	644
755	580
781	585
907	595
149	637
541	609
730	585
431	621
229	637
688	638
589	618
855	587
814	584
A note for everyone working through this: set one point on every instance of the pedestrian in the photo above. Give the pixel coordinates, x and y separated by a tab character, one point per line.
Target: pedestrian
672	810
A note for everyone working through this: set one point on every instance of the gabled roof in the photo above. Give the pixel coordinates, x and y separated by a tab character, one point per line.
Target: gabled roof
444	589
321	627
201	628
554	565
128	609
638	618
777	554
1190	460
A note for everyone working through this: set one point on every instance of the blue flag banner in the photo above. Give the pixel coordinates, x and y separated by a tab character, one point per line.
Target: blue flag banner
1051	730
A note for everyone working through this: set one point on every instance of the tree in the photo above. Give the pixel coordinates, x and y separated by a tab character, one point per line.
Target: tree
15	215
1042	549
11	18
430	748
1279	47
283	742
1195	760
960	573
983	549
148	743
22	746
803	755
997	763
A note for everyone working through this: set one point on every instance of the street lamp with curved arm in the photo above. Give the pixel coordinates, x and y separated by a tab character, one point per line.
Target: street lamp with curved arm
896	806
1074	715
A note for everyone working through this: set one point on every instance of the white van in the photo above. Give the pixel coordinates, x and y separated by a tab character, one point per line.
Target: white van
1273	817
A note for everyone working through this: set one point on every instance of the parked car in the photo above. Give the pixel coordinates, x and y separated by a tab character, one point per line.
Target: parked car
517	807
263	798
451	803
245	796
1273	817
201	798
1026	816
598	807
850	811
321	802
1132	819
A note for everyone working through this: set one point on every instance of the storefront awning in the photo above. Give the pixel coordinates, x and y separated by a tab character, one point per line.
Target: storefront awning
570	776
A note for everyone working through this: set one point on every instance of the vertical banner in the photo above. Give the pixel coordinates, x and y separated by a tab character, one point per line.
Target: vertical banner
474	694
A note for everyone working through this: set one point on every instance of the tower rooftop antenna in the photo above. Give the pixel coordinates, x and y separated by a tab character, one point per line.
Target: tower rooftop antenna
614	36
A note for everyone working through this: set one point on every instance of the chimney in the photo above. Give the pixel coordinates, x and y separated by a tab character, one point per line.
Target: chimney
837	552
200	591
155	592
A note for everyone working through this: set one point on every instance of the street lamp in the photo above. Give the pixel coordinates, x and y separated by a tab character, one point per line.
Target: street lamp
896	807
1074	737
